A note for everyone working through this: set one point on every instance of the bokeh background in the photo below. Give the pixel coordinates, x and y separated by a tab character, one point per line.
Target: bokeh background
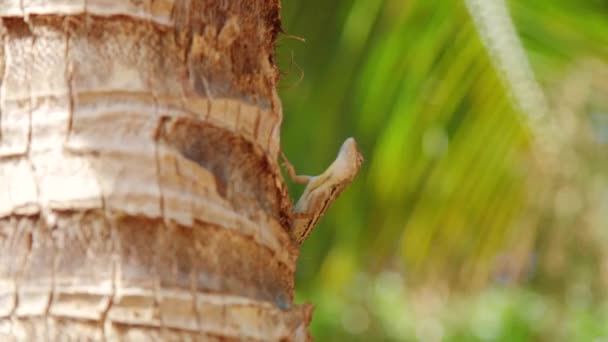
481	211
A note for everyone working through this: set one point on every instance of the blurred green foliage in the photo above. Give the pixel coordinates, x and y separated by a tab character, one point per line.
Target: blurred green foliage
455	228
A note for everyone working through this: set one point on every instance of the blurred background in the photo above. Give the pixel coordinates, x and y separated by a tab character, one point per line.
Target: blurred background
481	211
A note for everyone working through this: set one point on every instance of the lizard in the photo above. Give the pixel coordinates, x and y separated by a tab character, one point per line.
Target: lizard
322	190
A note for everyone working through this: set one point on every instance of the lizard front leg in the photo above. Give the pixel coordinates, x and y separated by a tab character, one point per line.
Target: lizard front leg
291	171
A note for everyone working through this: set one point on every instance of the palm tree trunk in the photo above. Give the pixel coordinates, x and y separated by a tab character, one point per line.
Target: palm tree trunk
140	197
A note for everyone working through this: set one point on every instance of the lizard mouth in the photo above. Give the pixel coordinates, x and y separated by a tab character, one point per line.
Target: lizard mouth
359	159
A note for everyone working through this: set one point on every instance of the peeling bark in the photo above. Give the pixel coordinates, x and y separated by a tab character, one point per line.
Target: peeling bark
140	197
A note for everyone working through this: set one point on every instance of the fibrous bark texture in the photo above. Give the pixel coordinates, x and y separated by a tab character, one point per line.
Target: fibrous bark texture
140	197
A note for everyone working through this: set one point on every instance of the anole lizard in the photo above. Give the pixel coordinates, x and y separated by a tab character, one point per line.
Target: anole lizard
323	189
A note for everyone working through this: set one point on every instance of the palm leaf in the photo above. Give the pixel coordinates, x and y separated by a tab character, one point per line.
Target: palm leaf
446	124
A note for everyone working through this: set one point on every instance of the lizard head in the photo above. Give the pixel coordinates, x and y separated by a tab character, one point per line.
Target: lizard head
349	152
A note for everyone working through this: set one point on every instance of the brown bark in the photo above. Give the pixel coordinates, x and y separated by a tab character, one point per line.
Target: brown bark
140	197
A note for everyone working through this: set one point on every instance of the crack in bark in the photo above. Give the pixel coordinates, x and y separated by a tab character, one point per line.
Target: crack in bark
69	74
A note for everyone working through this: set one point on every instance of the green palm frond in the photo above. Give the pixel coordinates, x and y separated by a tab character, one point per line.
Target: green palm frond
440	134
446	124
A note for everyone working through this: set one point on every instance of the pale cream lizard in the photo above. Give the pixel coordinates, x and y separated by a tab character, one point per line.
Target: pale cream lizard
322	190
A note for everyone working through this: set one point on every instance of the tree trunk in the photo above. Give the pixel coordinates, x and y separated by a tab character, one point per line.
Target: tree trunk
140	197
